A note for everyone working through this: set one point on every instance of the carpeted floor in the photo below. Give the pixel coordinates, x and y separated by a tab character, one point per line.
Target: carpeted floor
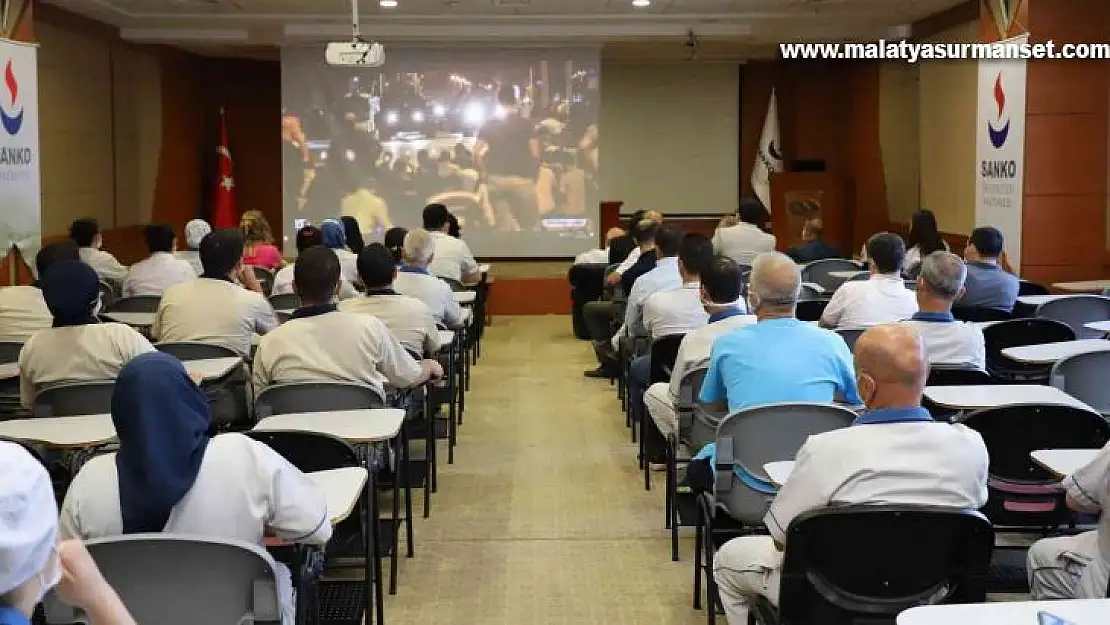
543	518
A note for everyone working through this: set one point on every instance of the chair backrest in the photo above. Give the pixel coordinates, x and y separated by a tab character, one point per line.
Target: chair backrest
184	580
1026	287
975	313
107	294
265	279
942	375
697	422
135	303
865	564
1017	333
454	284
74	399
1076	311
9	351
195	350
850	336
1083	376
817	272
588	278
748	439
810	309
285	301
664	352
297	397
309	451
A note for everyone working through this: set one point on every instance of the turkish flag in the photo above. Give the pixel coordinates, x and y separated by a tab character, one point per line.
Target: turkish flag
224	214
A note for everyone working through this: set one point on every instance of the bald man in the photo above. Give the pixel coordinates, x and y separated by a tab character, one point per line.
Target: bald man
894	453
599	256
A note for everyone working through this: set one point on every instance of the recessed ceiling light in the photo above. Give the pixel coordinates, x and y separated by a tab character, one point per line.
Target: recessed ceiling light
641	3
387	4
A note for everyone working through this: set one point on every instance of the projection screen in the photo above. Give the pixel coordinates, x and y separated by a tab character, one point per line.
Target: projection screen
507	139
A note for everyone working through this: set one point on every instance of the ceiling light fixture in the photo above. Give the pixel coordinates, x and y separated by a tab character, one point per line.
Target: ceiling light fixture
641	3
387	4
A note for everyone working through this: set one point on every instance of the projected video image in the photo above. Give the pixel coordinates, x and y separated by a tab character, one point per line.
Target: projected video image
507	139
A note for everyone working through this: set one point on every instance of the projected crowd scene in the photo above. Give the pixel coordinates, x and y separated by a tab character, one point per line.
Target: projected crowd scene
507	139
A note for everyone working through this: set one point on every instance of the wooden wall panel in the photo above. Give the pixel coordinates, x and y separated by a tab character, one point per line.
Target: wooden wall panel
1065	154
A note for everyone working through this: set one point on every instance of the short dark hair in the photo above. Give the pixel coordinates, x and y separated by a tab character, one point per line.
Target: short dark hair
695	252
159	237
395	241
83	231
309	236
55	252
316	274
220	251
668	240
751	211
644	231
887	251
988	240
376	266
436	216
722	280
636	218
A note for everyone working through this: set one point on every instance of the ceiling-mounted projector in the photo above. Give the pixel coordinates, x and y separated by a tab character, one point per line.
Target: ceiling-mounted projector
355	53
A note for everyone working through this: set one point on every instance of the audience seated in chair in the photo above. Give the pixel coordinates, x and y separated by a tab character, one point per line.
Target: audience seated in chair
322	344
416	280
161	269
308	236
23	310
743	239
883	298
599	256
988	284
672	312
78	348
947	340
258	242
814	246
169	476
85	233
335	237
451	257
720	296
195	231
213	308
893	454
624	251
1076	567
408	319
33	561
644	234
664	277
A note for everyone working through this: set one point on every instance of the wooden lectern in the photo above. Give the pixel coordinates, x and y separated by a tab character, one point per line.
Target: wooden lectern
798	196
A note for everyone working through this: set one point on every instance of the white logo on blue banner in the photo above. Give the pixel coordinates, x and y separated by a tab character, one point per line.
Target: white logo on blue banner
1000	148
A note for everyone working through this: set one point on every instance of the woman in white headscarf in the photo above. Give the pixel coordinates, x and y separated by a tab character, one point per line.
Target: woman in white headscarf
32	561
195	231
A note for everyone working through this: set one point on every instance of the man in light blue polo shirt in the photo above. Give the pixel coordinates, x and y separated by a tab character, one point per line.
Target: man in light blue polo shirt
779	358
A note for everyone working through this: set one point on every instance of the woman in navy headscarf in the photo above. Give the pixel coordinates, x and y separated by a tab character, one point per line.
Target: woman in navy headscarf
335	237
78	348
171	476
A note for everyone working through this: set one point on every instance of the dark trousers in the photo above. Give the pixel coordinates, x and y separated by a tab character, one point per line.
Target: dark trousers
599	323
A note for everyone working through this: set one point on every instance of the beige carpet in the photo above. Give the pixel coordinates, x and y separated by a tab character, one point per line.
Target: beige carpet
543	518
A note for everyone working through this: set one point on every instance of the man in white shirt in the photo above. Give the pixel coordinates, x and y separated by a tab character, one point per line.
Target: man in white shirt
744	240
614	278
322	343
213	308
599	256
309	236
416	280
892	454
409	319
23	310
452	258
85	233
152	275
720	296
947	341
883	298
664	277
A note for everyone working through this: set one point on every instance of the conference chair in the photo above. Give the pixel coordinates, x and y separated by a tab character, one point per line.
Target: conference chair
810	309
1077	310
172	579
663	353
228	397
71	399
979	314
745	278
1084	377
135	303
9	387
265	279
285	301
681	508
341	600
818	271
9	351
866	564
587	283
108	294
746	440
1025	287
952	375
850	336
1017	333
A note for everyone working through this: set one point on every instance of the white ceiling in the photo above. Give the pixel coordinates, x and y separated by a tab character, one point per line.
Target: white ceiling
728	28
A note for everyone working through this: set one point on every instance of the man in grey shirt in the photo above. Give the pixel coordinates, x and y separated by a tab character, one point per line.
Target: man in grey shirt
988	285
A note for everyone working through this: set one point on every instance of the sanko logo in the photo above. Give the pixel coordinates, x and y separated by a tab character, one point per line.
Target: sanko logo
998	135
11	107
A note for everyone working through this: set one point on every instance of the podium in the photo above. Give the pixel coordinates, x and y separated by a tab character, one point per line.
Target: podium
798	196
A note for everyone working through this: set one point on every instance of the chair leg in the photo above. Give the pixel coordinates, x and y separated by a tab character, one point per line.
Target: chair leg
699	536
406	461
